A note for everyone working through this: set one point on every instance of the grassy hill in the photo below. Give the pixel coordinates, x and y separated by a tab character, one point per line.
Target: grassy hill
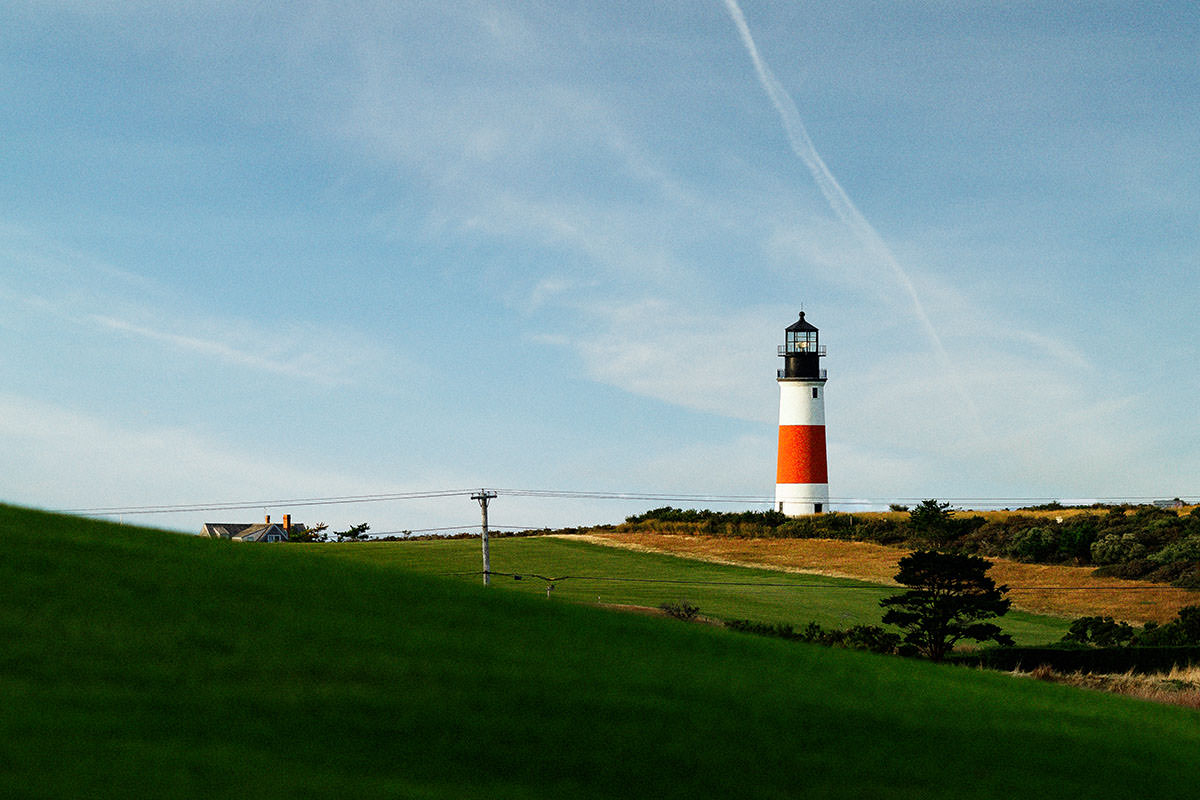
141	663
607	575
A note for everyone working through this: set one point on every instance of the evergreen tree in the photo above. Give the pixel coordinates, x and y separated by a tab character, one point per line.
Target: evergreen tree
951	598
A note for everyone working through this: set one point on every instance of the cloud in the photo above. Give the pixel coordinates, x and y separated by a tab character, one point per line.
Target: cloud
327	369
838	200
140	466
55	286
704	359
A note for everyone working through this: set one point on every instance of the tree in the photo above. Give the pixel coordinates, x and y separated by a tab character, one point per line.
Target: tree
931	521
951	598
354	533
300	533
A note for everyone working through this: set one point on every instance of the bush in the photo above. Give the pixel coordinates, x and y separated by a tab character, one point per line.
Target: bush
683	609
1183	631
1076	539
1100	632
859	637
1034	545
1185	549
1117	548
1097	660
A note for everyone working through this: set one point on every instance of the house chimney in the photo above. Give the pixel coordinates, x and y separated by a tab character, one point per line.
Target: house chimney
287	523
268	519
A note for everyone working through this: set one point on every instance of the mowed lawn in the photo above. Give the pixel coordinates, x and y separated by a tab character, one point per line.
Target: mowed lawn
607	575
138	663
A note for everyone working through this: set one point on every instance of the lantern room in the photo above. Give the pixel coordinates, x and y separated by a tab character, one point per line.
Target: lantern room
801	352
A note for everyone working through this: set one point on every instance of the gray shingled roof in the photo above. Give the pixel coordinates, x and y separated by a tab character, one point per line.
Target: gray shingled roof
243	531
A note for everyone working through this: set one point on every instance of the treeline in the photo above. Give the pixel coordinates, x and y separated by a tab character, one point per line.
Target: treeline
1105	645
1139	542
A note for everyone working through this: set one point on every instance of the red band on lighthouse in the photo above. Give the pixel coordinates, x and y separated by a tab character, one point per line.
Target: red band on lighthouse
802	455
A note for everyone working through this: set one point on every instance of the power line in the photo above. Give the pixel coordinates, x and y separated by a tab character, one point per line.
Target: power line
979	503
245	504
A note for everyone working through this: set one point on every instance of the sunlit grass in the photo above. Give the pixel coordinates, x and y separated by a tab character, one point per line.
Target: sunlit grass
608	575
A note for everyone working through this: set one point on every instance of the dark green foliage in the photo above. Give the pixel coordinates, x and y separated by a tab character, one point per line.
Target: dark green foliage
354	533
1185	549
1075	539
1100	632
317	533
951	598
767	519
931	522
857	637
1053	505
1143	660
681	609
869	637
1034	545
1183	631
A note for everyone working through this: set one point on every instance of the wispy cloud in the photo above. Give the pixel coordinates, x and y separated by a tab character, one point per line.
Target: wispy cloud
835	195
306	366
712	362
142	466
49	282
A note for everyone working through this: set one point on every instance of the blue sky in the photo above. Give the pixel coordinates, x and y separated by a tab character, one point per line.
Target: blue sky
251	252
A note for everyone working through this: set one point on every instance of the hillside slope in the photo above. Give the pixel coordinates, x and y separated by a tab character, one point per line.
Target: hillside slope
1054	589
139	663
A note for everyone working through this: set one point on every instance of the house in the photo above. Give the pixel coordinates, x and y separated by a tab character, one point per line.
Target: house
1176	503
250	531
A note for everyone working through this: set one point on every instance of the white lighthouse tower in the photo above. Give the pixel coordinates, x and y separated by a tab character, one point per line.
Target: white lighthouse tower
802	476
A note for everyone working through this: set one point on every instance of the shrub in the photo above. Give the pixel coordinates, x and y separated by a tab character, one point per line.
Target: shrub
859	637
1115	549
1076	539
1099	632
1185	549
683	609
1034	544
1183	631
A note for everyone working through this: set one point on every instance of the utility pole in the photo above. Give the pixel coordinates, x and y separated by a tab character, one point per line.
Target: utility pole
483	496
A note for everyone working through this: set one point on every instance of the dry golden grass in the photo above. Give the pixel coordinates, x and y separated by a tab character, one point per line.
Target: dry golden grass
1180	686
1075	593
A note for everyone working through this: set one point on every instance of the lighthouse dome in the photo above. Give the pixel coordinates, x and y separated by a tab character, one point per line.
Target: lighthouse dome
801	325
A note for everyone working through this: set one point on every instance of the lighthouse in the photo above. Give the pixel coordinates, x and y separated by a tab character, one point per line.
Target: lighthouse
801	477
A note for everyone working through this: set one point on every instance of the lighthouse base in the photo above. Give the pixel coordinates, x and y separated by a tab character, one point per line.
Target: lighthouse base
801	499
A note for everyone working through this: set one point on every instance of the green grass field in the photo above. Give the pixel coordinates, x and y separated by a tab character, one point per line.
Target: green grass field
137	663
612	576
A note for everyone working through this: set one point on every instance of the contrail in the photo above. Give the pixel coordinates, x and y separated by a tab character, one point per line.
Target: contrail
836	196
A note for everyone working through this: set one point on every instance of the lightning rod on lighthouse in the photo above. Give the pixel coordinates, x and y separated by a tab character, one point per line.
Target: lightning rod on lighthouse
802	475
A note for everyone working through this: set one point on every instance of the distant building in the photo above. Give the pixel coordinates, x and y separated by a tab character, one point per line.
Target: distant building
1176	503
266	531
